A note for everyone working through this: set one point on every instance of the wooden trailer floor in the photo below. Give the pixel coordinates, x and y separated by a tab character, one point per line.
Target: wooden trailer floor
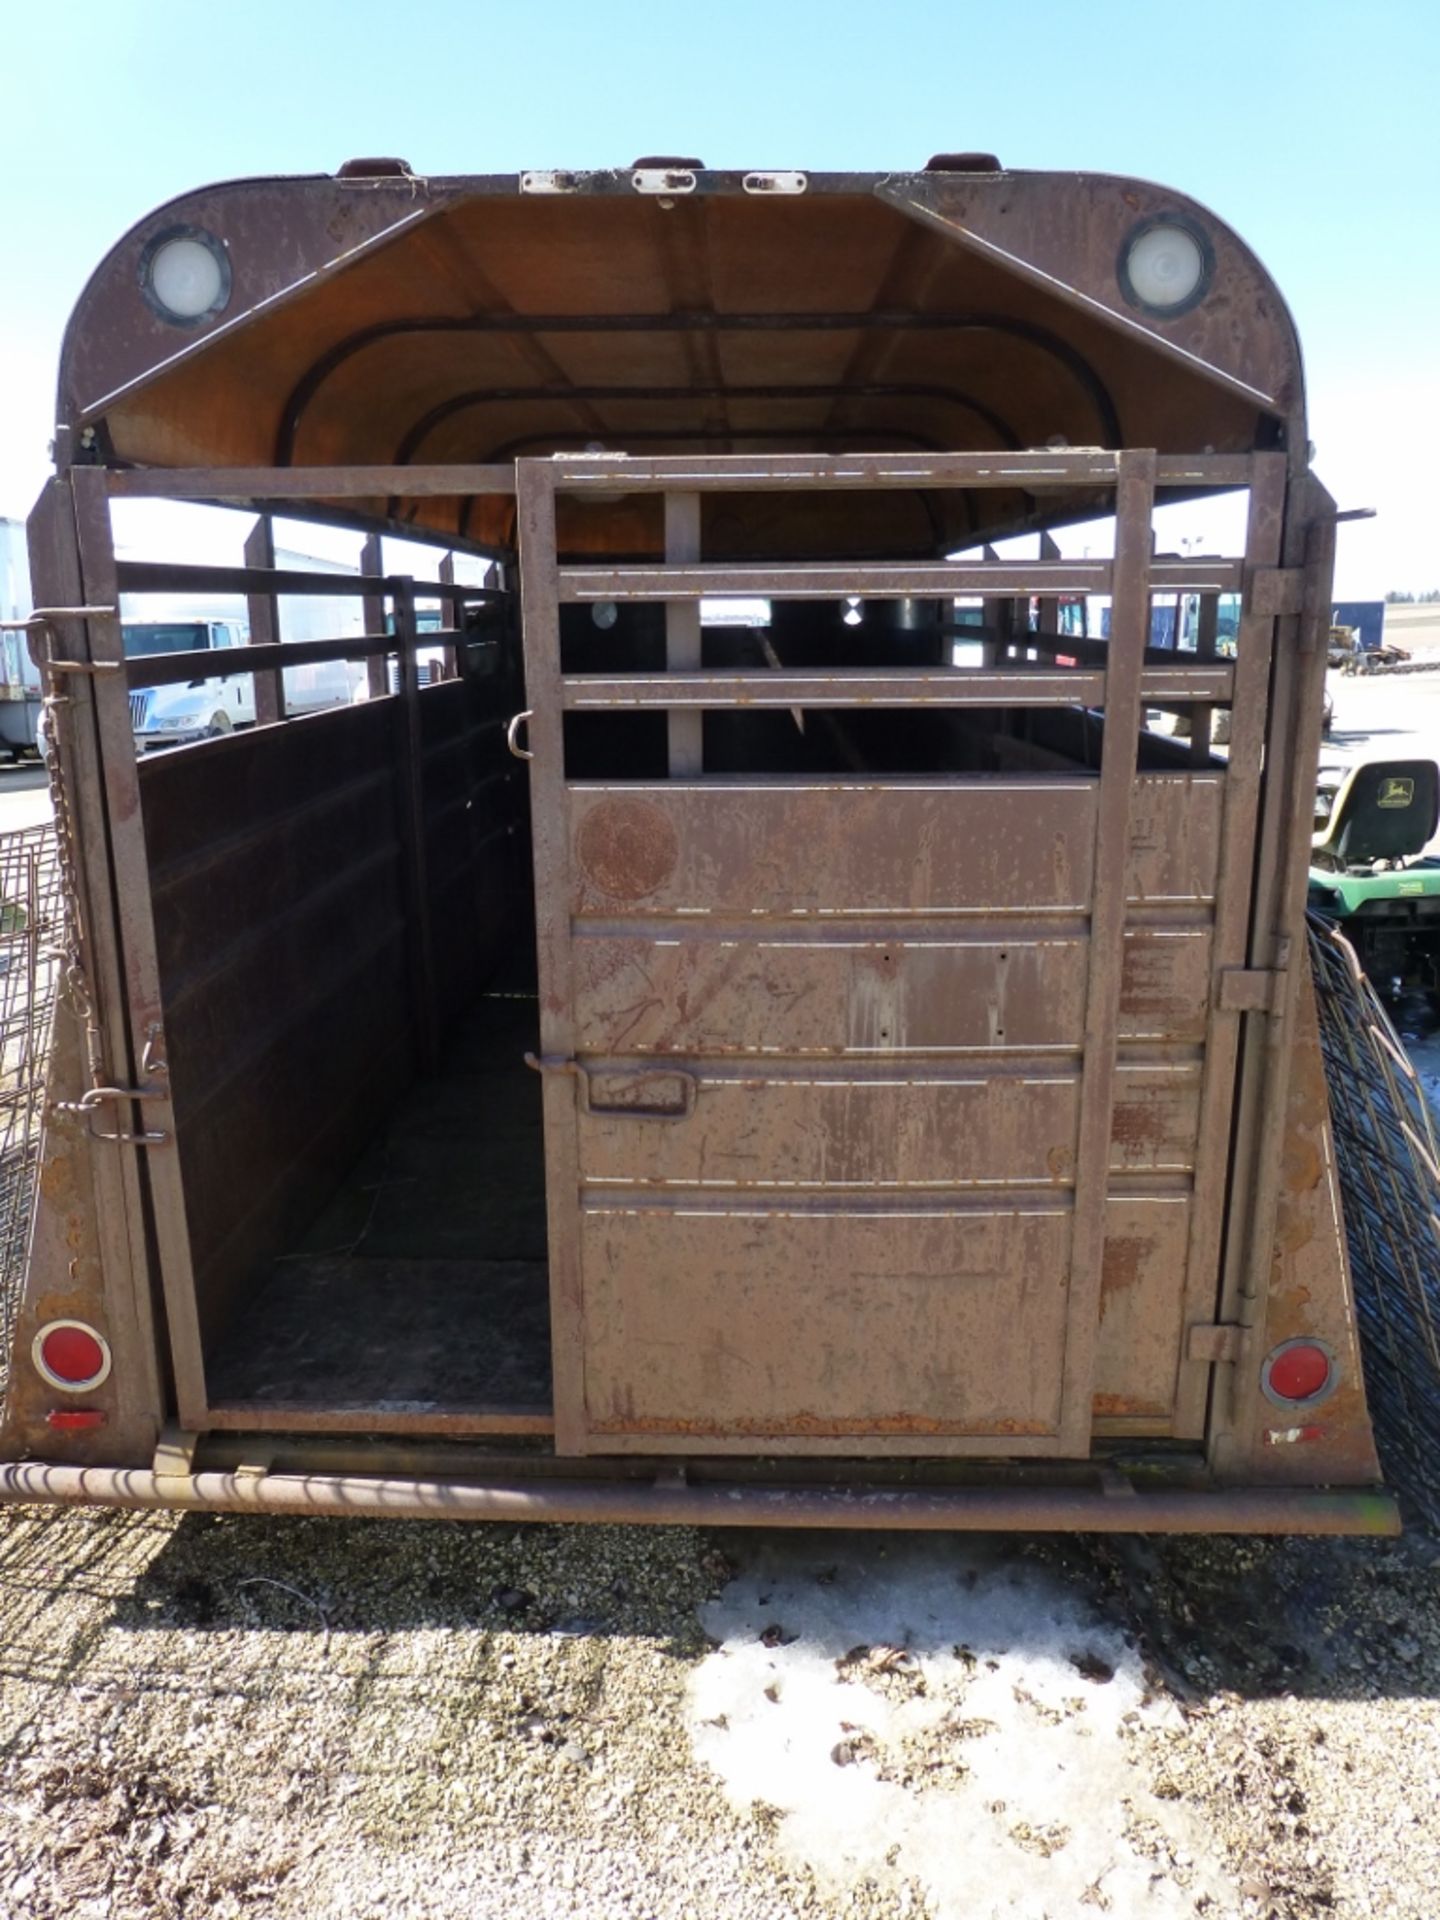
418	1301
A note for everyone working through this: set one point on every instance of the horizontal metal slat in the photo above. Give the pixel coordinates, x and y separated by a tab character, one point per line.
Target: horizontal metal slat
163	576
875	687
957	687
720	472
310	483
941	579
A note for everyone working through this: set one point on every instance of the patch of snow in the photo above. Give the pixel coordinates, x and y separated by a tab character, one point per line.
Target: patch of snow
943	1711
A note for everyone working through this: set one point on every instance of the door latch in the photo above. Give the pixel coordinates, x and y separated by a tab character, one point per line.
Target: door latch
89	1103
634	1093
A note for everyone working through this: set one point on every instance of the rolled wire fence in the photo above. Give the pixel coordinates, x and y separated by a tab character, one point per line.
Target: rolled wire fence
1389	1171
30	913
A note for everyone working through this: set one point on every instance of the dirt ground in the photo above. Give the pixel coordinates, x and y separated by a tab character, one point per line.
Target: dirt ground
208	1716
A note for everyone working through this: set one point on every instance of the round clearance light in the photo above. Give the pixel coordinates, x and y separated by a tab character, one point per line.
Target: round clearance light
71	1356
185	275
1298	1373
1166	265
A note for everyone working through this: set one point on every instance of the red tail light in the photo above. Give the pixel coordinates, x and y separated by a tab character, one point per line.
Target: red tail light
71	1355
1298	1373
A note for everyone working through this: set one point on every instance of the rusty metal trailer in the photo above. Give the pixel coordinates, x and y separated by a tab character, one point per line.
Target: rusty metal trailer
800	1072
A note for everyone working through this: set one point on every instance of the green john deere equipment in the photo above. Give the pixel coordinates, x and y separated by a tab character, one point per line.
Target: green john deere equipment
1370	873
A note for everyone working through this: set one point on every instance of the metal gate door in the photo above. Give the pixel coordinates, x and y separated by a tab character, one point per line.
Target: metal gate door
863	1094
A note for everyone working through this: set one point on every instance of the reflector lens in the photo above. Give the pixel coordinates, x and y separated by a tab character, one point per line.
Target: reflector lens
71	1355
1166	267
186	276
1298	1372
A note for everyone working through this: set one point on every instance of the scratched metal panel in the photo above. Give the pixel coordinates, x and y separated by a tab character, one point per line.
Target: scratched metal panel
924	1324
887	1131
881	1132
688	992
1175	823
1157	1117
1142	1297
1165	984
753	848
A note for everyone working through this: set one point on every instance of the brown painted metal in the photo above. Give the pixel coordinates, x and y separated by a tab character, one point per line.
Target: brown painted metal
956	1059
413	838
685	727
260	658
875	687
1104	986
138	1035
971	1509
264	616
88	1255
355	349
242	484
449	659
721	967
934	579
1249	721
372	565
550	840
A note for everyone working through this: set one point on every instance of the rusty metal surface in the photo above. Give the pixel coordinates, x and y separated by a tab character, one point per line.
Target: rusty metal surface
459	318
1308	1293
673	1503
893	998
838	993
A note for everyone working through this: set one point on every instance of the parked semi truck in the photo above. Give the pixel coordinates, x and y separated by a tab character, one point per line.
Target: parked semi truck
799	1072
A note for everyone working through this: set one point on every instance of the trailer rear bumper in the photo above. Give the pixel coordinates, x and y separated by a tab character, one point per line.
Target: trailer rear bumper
673	1502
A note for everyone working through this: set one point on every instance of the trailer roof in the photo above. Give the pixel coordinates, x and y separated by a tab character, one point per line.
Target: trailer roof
377	317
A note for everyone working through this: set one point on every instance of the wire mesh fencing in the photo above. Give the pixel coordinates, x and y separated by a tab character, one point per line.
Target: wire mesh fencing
1389	1170
30	910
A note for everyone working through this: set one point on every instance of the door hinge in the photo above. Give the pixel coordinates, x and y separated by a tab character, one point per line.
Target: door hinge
1251	990
1219	1345
1272	592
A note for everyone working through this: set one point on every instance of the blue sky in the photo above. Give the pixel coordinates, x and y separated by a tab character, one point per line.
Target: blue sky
1312	128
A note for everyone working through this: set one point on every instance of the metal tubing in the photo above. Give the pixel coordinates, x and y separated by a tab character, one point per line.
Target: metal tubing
674	1503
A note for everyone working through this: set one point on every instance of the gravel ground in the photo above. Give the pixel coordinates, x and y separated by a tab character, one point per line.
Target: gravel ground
221	1716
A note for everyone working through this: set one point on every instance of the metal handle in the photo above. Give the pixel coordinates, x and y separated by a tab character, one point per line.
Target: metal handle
517	720
688	1084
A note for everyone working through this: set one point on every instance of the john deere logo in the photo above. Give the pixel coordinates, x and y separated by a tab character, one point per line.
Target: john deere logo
1396	791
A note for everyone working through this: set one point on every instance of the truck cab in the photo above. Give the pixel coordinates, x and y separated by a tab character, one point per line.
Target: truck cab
172	716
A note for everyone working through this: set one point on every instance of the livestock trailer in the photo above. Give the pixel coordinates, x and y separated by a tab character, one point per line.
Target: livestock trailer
844	1066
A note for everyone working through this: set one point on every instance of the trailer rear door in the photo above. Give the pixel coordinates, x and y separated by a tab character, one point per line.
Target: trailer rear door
861	1090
